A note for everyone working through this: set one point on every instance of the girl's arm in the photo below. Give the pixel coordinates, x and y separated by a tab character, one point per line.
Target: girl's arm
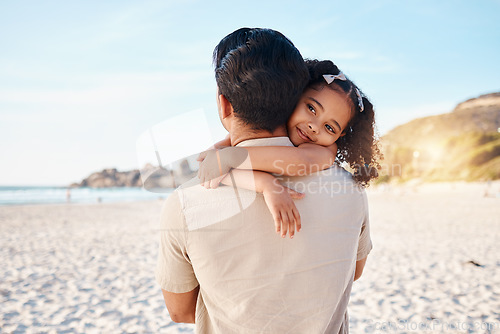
278	198
284	160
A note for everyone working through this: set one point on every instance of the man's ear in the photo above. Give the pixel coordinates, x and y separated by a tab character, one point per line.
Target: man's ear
226	108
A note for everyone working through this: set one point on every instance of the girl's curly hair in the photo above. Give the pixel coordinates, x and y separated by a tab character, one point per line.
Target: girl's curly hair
358	148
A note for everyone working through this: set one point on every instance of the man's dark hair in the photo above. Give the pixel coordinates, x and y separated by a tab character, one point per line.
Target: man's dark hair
262	74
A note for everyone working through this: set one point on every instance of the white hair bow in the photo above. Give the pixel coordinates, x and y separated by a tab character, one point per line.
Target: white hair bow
330	77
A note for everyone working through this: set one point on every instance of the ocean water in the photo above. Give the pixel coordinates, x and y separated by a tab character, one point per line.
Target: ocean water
44	195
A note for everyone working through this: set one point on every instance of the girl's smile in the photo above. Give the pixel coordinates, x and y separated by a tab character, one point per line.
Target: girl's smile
303	135
320	117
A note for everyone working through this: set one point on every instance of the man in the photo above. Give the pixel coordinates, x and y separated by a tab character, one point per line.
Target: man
221	265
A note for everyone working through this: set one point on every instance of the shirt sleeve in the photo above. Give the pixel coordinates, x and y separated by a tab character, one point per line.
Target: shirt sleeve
365	241
174	272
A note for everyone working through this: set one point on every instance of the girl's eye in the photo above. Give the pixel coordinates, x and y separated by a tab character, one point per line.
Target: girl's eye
311	108
329	128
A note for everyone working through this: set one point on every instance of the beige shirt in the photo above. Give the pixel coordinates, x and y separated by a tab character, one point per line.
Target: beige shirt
252	280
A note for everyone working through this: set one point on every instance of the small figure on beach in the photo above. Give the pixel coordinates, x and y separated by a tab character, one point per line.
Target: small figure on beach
487	189
68	195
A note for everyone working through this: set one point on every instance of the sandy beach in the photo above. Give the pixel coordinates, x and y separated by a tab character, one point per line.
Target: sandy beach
435	266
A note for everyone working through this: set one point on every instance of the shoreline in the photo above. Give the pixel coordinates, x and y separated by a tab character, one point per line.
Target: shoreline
48	195
118	202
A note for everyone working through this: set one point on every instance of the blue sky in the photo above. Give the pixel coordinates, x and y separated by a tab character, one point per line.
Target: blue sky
80	81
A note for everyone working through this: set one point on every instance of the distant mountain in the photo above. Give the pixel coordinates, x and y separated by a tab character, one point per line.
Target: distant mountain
461	145
154	178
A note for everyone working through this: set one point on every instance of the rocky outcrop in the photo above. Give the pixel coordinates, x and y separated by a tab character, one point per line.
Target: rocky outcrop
149	176
112	178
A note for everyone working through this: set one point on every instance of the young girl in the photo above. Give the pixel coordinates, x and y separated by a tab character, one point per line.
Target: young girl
332	123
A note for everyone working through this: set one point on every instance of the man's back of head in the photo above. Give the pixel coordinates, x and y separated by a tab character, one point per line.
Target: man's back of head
262	74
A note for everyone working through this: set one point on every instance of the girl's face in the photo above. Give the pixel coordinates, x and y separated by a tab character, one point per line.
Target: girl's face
319	118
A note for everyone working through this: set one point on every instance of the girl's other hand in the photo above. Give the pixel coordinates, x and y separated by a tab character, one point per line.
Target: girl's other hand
285	214
212	170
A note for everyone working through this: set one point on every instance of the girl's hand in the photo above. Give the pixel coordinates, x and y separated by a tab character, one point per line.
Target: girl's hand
212	169
215	164
285	214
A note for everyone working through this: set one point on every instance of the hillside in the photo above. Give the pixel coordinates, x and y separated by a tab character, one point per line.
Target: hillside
461	145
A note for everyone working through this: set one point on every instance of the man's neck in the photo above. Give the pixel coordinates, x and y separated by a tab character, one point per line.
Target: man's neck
243	133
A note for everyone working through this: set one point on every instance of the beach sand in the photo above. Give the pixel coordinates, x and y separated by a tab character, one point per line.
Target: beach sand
435	266
82	268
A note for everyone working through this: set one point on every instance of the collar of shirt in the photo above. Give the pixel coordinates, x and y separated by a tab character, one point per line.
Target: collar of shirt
270	141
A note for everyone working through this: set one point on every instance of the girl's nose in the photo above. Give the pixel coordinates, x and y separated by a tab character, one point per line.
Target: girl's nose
312	127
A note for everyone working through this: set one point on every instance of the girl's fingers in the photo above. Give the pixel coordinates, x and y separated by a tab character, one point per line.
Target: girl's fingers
291	224
284	224
298	222
214	183
276	219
